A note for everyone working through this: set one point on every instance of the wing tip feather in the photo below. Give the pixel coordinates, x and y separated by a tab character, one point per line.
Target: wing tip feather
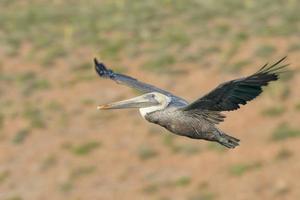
272	68
102	70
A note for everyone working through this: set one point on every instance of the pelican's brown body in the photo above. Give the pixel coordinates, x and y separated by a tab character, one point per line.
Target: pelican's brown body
176	121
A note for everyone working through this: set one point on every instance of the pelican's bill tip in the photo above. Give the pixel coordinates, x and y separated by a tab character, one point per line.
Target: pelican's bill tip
101	107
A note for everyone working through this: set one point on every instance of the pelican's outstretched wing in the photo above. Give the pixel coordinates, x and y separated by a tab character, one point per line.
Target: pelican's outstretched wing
230	95
129	81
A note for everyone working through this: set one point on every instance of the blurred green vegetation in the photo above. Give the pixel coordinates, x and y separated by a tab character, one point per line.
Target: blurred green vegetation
2	118
297	107
34	116
146	152
182	181
285	131
241	168
203	196
20	136
82	149
4	175
273	111
131	28
15	197
29	83
177	182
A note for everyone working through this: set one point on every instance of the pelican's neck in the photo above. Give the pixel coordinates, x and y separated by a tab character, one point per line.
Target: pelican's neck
145	111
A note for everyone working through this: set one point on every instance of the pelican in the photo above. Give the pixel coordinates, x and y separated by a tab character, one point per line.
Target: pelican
196	120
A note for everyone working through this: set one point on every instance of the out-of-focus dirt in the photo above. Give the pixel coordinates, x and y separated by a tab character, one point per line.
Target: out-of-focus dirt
135	159
55	144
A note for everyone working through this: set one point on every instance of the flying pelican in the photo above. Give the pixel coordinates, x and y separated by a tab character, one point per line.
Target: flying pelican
198	119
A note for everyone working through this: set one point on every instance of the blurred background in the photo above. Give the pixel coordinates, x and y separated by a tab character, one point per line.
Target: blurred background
56	145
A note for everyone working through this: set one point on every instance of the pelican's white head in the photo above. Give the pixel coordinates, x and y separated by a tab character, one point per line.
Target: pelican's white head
163	102
146	103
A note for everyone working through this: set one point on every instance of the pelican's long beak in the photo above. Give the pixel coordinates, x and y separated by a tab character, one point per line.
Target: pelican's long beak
137	102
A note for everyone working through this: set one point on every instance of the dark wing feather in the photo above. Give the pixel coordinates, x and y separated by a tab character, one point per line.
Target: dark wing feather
131	82
230	95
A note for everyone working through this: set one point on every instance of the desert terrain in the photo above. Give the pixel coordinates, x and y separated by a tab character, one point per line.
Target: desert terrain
55	144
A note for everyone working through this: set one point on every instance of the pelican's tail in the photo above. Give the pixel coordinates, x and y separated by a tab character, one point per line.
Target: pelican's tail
227	140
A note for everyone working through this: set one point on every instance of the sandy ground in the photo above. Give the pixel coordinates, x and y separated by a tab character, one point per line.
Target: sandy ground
82	153
55	144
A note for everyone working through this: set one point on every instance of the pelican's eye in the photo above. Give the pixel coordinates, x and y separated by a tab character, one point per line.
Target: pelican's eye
150	96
